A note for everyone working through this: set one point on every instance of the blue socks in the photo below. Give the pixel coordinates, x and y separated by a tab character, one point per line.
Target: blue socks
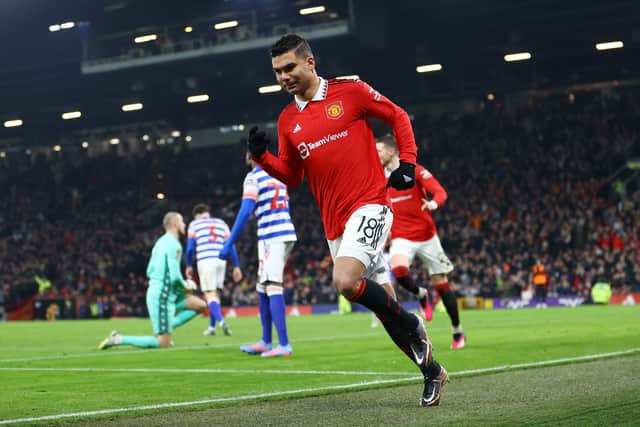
265	318
215	313
142	342
278	313
183	317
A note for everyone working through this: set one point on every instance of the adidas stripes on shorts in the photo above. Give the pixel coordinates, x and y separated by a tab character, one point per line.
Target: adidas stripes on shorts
364	236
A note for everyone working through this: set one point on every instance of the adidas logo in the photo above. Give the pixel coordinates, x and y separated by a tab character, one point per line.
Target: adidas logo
362	240
297	129
407	178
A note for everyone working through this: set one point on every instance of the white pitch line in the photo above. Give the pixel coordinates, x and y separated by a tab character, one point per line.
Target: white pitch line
206	401
208	371
315	372
194	347
552	362
315	389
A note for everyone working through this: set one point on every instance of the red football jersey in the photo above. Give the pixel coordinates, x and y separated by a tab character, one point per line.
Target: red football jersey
330	140
409	220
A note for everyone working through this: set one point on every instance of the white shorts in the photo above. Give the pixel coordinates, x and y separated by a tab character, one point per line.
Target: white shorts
272	256
212	273
430	253
364	236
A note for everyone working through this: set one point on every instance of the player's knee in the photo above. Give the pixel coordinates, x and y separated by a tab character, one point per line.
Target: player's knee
400	271
346	285
211	296
274	288
200	306
164	340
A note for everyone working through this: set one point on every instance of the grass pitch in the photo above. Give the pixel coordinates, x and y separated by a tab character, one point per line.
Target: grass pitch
586	360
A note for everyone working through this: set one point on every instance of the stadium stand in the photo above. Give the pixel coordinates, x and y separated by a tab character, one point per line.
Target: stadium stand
526	183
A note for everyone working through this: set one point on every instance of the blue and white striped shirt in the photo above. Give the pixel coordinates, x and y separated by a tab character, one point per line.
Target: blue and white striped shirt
272	206
209	234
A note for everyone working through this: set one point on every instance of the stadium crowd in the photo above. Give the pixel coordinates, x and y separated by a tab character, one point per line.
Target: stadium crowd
527	183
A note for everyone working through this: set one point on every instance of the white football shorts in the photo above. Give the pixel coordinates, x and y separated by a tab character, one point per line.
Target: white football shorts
364	236
272	257
429	252
212	273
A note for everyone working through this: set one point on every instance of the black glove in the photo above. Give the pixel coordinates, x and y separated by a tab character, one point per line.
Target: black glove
257	142
404	177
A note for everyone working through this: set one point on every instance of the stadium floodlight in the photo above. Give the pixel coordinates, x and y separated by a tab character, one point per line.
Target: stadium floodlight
57	148
188	138
490	97
146	38
618	44
132	107
71	115
269	89
85	144
197	98
114	141
64	26
188	29
160	196
3	154
176	133
312	10
429	68
225	25
145	137
633	164
13	123
520	56
349	77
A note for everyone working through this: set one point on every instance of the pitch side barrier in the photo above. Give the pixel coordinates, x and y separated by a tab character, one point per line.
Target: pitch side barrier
54	309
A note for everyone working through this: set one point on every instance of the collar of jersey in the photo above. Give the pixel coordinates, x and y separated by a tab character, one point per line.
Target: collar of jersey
321	95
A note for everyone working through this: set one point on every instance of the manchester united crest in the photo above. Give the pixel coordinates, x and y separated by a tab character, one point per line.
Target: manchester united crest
335	110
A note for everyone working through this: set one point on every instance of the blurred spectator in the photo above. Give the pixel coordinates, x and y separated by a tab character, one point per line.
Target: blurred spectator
524	184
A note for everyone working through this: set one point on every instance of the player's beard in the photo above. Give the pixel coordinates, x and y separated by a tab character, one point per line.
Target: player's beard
292	87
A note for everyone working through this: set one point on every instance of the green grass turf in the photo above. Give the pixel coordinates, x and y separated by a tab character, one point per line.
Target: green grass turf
548	396
321	344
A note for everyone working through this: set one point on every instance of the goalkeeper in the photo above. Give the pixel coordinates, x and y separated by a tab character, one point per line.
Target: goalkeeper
168	291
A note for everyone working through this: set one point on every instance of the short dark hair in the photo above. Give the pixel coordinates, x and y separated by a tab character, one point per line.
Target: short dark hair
290	42
389	141
200	208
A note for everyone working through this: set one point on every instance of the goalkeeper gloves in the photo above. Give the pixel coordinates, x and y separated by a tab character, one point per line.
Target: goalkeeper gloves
404	177
257	142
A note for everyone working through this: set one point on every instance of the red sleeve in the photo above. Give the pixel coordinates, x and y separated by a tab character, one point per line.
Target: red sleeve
287	166
431	185
379	106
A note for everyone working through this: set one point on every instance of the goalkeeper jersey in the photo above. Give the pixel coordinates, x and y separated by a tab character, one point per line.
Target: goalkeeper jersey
164	264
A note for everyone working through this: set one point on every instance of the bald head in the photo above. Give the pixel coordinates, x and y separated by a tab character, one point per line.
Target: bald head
170	220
